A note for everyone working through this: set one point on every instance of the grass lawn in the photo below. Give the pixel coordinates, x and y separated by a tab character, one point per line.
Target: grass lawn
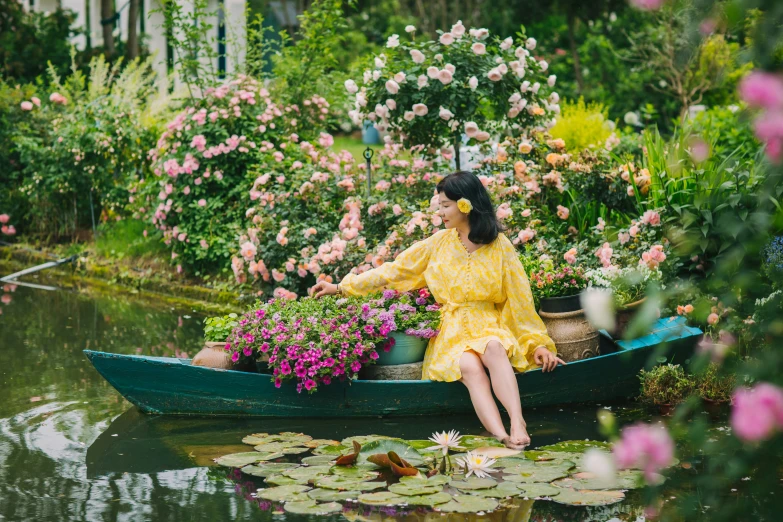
353	145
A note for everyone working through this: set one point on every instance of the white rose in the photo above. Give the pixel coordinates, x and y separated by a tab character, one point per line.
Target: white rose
361	99
520	52
513	112
450	68
432	72
376	74
473	83
417	56
551	80
530	43
514	98
422	81
524	86
420	109
367	77
379	64
391	104
471	129
544	65
554	98
480	34
536	86
393	41
399	77
410	29
392	86
409	115
446	39
503	68
507	43
438	57
351	87
458	30
445	113
478	48
445	76
494	75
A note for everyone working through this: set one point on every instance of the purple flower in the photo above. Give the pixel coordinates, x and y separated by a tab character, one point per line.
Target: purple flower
329	362
264	347
285	367
248	351
389	294
421	301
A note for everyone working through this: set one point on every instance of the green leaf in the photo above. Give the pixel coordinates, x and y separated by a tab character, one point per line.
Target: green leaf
268	468
331	495
414	489
310	507
238	460
404	450
586	497
427	500
468	504
380	498
290	493
474	483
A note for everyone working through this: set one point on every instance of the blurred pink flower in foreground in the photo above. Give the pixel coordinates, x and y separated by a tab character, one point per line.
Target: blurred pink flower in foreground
757	412
645	446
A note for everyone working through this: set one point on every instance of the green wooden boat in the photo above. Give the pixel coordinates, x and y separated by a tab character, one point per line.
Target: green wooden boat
171	386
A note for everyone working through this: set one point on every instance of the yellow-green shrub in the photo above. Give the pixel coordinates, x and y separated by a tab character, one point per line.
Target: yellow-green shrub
582	125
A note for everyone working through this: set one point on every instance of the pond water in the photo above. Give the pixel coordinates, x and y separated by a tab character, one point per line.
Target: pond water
71	448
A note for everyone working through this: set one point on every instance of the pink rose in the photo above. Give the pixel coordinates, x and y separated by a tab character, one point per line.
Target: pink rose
526	212
432	72
494	75
624	237
713	318
757	412
392	86
762	89
4	218
417	56
446	39
563	212
202	202
478	48
420	109
203	243
652	218
471	129
645	446
769	130
445	76
504	211
473	83
27	106
526	235
36	101
647	5
482	136
570	256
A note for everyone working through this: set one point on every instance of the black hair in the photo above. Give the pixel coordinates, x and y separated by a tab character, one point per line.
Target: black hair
484	224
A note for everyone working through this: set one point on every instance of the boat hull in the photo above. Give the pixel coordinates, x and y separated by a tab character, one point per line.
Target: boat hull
170	386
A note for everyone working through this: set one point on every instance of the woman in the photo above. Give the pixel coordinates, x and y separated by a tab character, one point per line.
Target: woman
488	321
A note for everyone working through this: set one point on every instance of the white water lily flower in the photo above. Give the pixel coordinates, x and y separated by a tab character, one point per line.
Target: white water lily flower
444	441
600	463
477	464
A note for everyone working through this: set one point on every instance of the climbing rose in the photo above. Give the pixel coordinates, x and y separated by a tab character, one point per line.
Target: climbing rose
757	412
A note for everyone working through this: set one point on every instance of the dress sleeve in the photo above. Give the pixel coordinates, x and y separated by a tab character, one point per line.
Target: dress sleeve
517	311
405	273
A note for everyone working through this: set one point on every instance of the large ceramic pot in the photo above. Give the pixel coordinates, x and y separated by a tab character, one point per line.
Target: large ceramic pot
574	338
214	355
407	349
624	316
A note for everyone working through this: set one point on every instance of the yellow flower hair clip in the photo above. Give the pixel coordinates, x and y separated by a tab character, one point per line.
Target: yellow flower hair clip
464	205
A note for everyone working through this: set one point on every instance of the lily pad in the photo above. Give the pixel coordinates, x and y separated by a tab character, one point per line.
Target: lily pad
318	460
502	490
293	439
320	442
427	500
290	493
380	498
384	446
538	490
347	484
332	450
531	467
306	472
575	446
282	480
356	473
310	507
494	452
471	442
468	504
332	495
364	439
625	479
273	447
421	445
268	468
271	456
238	460
542	475
435	480
588	497
474	483
414	489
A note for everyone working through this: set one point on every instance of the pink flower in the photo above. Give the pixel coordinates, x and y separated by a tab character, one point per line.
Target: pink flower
203	243
494	75
713	319
570	256
27	106
762	89
645	446
199	142
652	218
56	97
417	56
6	299
248	250
563	212
624	237
604	254
630	191
478	48
653	257
8	230
36	101
526	212
769	129
471	129
432	72
526	235
392	86
420	109
647	5
397	210
445	76
326	140
504	211
202	202
482	136
757	412
633	231
446	39
4	218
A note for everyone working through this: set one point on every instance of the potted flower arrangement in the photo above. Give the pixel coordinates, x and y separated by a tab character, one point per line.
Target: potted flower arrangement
430	93
415	320
665	386
216	331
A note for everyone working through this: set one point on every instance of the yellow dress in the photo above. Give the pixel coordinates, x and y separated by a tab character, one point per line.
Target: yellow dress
485	296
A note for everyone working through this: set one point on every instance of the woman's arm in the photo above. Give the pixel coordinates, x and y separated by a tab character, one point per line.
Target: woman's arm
517	312
405	273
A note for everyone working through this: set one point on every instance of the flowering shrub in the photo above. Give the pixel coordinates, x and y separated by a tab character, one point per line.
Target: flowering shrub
201	186
5	228
628	284
548	280
431	92
313	341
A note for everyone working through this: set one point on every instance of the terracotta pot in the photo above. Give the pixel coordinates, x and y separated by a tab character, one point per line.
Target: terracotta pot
624	316
574	338
713	408
666	409
214	355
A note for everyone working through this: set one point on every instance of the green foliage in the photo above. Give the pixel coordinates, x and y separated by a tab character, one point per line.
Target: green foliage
728	131
217	329
125	238
665	384
715	384
581	125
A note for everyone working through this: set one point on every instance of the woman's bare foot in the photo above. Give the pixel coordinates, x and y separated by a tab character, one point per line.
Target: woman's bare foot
519	435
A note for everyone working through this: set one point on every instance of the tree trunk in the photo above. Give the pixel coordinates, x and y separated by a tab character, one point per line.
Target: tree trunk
107	12
133	36
575	52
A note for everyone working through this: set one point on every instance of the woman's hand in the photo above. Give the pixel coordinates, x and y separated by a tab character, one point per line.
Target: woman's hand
323	288
546	359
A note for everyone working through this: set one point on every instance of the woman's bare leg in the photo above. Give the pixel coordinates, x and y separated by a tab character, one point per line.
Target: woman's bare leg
504	384
474	376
